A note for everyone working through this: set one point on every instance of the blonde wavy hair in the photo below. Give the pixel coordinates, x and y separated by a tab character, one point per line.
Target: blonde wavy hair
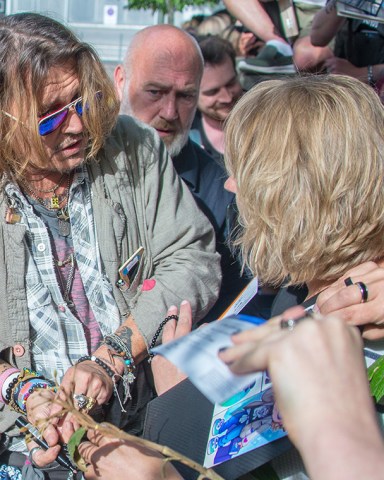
30	45
307	156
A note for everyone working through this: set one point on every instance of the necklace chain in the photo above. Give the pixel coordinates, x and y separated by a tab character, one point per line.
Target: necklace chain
66	261
35	191
58	203
71	275
55	201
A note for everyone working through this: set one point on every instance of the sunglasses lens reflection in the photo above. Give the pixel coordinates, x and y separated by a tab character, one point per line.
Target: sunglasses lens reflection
50	124
79	108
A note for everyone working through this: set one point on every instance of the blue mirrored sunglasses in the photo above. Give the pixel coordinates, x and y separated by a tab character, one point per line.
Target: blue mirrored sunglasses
51	122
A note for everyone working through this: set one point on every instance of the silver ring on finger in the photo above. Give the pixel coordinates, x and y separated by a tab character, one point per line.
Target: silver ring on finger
81	400
290	323
31	453
364	291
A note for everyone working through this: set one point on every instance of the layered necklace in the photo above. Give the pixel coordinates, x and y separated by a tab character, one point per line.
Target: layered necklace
66	285
66	268
59	203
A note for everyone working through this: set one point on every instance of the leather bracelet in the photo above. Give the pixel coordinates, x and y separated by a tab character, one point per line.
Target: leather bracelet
99	362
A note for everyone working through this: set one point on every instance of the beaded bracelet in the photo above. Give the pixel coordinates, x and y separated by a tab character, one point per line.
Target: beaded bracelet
5	378
19	398
99	362
22	381
157	333
21	387
8	391
24	375
15	387
47	385
120	348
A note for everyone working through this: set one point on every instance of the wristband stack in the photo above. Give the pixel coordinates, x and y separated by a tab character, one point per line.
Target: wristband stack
111	373
21	387
119	349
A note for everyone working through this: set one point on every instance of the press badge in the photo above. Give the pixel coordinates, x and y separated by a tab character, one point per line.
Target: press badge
129	269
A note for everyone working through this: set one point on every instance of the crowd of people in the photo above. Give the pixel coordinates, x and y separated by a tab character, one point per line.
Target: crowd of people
270	38
138	207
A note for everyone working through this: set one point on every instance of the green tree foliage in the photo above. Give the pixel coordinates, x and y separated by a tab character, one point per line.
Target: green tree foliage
167	7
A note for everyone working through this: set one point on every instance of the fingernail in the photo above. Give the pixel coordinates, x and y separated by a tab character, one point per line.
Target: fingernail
184	302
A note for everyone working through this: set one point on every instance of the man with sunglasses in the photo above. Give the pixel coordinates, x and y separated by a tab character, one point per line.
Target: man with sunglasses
98	237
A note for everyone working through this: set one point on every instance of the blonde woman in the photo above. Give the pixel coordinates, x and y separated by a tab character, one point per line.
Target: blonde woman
305	157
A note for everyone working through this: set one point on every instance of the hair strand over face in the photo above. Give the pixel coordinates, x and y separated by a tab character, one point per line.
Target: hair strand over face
39	44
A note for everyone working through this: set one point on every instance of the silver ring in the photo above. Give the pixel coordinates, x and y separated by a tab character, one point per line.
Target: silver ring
81	400
290	323
30	455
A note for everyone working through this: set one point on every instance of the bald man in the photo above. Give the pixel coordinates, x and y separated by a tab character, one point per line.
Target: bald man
158	83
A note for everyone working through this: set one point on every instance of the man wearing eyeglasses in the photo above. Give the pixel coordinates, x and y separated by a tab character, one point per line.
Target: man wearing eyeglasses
98	237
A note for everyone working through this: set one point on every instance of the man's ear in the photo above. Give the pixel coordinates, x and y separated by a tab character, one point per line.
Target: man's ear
119	77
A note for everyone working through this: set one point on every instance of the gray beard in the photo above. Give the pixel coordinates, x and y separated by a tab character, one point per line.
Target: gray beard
173	148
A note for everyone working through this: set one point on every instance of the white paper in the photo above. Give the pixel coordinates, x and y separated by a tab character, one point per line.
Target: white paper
196	355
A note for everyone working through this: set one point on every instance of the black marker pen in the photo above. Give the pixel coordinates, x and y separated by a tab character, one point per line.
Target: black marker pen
62	458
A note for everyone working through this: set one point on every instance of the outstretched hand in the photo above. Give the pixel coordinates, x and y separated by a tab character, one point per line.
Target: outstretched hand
165	373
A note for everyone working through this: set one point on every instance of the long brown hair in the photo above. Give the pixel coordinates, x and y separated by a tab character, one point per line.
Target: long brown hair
31	45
